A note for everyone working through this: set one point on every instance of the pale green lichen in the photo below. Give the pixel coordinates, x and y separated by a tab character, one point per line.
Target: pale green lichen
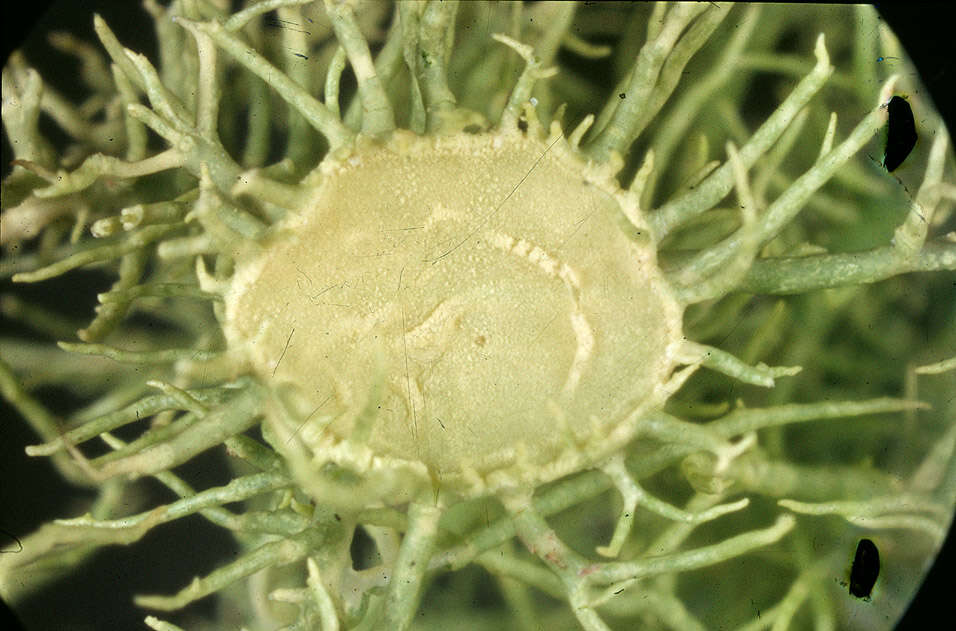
447	321
429	284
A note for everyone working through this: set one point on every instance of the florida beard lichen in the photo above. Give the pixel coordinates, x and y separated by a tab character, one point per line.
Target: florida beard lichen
446	324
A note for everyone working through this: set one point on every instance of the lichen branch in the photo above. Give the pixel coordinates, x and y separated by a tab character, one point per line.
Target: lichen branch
405	583
714	188
377	115
321	118
623	126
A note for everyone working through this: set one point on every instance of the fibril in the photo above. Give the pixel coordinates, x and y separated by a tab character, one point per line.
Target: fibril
454	314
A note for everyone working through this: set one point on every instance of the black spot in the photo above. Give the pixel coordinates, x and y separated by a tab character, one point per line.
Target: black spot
865	570
522	124
363	552
901	133
622	95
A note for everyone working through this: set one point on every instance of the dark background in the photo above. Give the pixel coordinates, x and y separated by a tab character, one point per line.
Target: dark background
926	31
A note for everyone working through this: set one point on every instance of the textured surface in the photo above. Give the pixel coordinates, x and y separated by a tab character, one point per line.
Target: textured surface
485	286
441	270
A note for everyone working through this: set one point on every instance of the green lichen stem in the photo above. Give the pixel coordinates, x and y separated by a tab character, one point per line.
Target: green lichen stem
562	495
633	495
332	79
405	583
619	132
797	275
693	289
910	236
285	523
937	368
543	542
770	165
410	18
160	625
207	99
117	51
273	553
301	143
431	63
388	63
522	90
165	356
162	100
163	428
238	20
697	35
321	118
786	207
131	243
875	507
377	115
327	613
236	490
100	165
156	290
258	121
617	572
724	362
22	92
744	421
142	409
108	316
233	417
714	188
527	572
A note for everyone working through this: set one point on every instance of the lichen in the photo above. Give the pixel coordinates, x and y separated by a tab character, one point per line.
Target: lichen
422	313
475	300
